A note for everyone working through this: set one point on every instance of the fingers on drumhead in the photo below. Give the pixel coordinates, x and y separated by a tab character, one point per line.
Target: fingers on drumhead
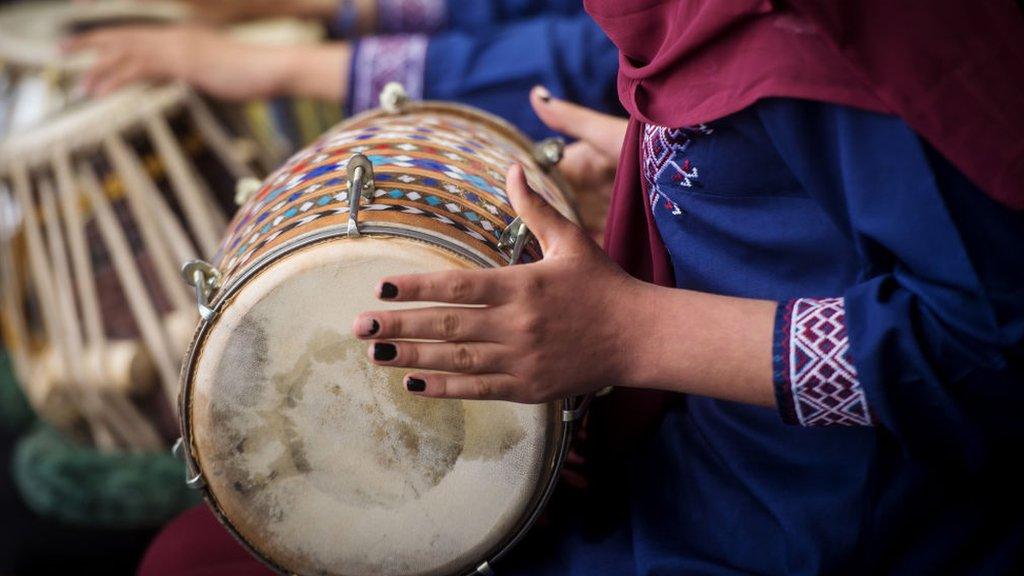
454	286
449	324
461	358
464	386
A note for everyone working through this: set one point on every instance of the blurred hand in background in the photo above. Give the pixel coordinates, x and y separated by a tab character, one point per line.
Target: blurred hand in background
230	11
211	61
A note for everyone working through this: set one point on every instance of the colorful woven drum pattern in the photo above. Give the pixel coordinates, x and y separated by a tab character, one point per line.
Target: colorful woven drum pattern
438	168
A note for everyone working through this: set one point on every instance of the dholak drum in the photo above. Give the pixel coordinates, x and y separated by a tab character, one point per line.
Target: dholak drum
111	195
316	459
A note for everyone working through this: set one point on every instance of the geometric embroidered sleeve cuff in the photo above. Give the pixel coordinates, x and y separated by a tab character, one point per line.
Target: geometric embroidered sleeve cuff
398	16
815	380
378	60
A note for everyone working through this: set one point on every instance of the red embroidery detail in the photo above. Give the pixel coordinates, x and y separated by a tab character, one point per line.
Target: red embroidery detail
662	148
821	374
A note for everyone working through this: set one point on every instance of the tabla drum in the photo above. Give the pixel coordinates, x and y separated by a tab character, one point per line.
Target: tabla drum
36	79
101	203
317	460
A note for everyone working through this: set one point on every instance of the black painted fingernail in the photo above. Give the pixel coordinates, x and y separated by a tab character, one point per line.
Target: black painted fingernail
415	384
388	290
374	327
384	352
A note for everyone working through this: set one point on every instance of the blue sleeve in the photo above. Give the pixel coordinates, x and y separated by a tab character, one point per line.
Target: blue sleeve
475	14
936	321
431	16
495	69
492	69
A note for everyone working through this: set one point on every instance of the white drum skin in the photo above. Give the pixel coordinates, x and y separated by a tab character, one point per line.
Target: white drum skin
320	461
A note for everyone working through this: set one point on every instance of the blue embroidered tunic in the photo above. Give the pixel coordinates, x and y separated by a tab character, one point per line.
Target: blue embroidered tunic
899	349
486	54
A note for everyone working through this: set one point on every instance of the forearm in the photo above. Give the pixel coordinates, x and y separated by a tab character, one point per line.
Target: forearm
312	72
320	9
701	344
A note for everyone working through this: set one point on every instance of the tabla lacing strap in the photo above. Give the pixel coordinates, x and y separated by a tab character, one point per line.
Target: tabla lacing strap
92	410
218	140
143	310
136	431
205	220
38	268
84	275
15	333
49	302
133	428
140	192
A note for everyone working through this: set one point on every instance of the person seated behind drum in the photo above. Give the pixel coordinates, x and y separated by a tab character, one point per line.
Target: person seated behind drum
486	54
832	215
832	297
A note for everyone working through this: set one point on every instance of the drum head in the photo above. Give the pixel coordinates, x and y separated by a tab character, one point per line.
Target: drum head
322	462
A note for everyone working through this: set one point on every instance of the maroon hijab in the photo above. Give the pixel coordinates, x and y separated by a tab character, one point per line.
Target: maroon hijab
953	70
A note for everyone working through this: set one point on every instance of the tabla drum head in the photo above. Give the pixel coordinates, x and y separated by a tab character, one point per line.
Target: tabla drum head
320	461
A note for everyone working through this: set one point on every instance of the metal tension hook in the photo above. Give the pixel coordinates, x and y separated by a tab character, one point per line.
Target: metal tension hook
549	152
360	185
514	238
577	412
206	280
193	479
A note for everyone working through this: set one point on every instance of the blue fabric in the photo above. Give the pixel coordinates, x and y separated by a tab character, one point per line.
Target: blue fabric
799	199
494	68
477	14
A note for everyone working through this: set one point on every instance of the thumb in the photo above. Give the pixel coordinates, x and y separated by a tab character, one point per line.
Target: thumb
602	131
543	220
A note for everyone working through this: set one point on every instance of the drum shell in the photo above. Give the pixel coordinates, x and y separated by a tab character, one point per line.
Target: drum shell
305	204
309	193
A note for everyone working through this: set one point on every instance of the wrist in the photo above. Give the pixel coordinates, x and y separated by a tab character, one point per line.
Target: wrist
697	343
314	72
635	314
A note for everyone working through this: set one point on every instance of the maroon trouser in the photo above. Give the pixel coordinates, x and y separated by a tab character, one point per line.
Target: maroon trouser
195	544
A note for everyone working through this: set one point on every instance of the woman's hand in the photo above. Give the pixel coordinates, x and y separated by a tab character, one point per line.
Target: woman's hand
211	61
589	162
535	332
